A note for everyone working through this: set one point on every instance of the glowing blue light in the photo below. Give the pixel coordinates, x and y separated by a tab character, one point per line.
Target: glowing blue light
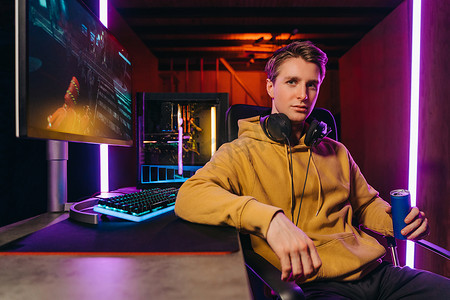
125	59
125	216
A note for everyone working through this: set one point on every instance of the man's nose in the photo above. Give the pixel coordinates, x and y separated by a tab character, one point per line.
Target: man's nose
301	93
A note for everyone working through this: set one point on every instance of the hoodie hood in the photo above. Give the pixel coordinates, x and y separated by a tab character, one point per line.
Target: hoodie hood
251	128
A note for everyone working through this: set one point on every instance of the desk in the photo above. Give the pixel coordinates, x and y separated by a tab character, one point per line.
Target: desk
111	277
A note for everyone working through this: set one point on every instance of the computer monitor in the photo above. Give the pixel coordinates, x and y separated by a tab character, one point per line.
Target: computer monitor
73	77
177	134
73	83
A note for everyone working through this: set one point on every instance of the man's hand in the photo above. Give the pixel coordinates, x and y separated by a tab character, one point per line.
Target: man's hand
417	225
298	255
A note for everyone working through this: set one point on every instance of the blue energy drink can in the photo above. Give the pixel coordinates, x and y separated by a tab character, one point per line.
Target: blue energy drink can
401	204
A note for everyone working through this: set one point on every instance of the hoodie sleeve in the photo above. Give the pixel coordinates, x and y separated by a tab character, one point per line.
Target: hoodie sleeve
215	194
369	208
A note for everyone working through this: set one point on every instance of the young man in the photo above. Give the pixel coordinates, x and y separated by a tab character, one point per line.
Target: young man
247	184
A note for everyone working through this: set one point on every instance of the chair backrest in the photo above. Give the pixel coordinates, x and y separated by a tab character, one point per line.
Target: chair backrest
241	111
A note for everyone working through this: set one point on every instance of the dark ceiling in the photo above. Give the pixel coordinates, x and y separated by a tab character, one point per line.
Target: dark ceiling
245	32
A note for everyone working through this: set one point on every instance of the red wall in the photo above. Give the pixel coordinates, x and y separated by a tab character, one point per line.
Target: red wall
434	130
145	64
374	79
375	96
122	160
253	80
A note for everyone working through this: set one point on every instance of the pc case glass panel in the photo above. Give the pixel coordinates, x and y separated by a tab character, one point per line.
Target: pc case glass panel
162	133
178	134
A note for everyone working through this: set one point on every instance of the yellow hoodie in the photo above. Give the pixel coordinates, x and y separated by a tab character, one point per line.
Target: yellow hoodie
248	180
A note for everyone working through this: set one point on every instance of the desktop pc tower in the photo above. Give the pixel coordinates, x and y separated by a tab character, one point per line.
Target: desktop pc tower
177	133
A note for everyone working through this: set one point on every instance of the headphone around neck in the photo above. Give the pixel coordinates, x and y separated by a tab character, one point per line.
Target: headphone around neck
277	127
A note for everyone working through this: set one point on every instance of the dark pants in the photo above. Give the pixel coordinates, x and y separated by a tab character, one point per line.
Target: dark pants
385	282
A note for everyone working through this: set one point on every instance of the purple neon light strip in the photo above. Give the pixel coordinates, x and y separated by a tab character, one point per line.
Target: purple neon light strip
104	166
414	116
103	4
180	141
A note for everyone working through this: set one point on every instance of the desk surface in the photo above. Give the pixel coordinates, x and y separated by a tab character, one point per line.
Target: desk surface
161	276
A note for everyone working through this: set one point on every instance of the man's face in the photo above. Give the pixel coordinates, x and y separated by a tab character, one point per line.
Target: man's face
295	90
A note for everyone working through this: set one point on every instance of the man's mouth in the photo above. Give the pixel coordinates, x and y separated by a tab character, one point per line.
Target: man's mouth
300	109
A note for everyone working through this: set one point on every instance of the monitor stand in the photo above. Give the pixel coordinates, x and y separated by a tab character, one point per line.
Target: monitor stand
57	156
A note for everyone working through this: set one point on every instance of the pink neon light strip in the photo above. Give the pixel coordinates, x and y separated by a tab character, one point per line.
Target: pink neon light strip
104	12
414	117
180	141
104	166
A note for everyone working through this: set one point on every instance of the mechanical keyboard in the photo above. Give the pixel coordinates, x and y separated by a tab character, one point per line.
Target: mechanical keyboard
139	206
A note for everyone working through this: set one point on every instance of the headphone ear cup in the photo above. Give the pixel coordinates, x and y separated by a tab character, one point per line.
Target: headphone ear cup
262	122
316	132
310	135
277	127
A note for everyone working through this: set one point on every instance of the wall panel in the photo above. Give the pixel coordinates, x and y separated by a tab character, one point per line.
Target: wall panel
375	96
374	88
434	131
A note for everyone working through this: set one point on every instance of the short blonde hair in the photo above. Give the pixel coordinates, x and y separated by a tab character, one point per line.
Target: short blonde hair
303	49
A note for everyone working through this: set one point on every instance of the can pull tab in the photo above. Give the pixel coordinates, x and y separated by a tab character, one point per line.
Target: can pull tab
399	192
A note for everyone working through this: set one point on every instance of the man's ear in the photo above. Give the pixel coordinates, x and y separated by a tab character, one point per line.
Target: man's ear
269	87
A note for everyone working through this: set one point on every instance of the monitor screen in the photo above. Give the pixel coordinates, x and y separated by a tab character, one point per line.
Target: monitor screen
73	78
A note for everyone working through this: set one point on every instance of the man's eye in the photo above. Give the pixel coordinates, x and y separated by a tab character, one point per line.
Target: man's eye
312	86
292	81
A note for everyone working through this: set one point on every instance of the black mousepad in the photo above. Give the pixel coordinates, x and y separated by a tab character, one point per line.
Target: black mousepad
163	234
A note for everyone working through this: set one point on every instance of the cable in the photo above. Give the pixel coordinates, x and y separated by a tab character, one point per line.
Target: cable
291	172
304	185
